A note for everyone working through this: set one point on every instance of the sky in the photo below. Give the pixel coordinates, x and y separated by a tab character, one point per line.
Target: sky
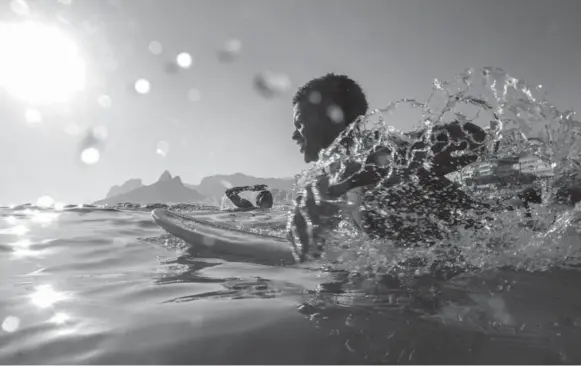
394	49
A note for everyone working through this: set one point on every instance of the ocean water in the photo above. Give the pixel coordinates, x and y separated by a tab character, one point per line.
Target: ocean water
88	285
106	285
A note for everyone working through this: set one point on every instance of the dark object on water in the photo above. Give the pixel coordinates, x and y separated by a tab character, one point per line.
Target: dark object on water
263	199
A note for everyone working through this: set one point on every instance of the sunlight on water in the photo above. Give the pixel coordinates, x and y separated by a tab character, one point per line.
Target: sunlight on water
44	218
19	230
45	202
518	112
46	296
60	318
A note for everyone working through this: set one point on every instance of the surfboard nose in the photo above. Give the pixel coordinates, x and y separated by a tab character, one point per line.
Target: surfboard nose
156	213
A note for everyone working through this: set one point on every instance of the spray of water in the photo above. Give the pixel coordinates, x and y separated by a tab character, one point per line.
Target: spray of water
512	113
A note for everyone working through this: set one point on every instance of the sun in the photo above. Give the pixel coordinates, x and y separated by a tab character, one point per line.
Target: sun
39	64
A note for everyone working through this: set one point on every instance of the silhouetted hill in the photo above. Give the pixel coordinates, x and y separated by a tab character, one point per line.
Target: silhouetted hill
210	190
126	187
215	185
165	190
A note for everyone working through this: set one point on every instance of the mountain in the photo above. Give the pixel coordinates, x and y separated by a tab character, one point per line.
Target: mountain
215	185
210	190
165	190
126	187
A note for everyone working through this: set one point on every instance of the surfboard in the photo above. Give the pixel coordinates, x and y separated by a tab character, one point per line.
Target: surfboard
225	242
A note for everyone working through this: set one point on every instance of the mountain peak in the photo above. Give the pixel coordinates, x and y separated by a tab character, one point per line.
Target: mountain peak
166	176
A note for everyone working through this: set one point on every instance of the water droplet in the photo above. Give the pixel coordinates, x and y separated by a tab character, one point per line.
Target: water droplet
142	86
11	324
155	47
315	97
100	132
184	60
104	101
19	7
45	202
90	156
226	184
271	84
73	130
194	95
231	49
33	116
162	148
335	113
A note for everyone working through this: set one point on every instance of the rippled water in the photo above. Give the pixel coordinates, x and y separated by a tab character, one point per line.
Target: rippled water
108	286
93	285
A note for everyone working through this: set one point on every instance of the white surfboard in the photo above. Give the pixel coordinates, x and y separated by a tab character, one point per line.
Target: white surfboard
223	241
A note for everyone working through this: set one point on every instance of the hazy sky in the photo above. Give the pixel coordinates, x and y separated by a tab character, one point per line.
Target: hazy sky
393	48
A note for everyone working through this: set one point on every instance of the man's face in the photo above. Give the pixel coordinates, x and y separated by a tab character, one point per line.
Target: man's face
306	120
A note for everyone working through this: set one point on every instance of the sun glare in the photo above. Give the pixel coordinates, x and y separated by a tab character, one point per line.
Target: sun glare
39	64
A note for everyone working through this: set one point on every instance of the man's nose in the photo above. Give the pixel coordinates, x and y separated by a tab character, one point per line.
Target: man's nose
296	135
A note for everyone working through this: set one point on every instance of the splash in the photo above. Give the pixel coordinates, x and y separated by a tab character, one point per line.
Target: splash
518	121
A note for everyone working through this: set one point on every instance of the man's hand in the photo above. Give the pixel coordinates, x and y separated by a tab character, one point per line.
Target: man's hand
259	187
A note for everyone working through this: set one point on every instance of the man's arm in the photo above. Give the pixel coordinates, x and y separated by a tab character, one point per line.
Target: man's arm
238	201
454	146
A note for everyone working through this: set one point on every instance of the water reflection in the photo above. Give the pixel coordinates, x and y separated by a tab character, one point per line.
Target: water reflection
18	230
44	218
60	318
46	296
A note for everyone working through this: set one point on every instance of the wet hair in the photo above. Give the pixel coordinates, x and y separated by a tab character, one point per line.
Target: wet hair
340	90
264	199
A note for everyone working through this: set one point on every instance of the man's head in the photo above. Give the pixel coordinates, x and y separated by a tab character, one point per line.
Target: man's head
323	107
264	199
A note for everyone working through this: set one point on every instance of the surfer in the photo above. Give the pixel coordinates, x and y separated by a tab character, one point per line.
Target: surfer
408	213
263	199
